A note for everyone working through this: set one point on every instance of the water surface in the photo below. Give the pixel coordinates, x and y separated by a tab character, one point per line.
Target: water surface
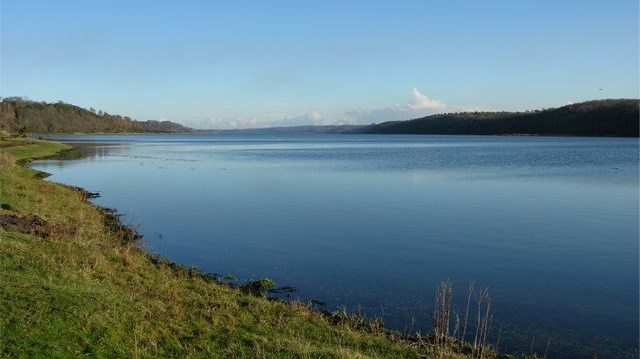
549	224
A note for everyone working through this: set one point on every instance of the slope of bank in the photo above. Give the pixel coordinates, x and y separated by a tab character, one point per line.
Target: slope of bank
592	118
73	282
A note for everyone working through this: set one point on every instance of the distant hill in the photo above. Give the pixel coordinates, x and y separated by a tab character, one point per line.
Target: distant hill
22	116
294	130
591	118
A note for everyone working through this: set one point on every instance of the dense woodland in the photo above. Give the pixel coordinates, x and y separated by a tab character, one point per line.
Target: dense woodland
20	116
592	118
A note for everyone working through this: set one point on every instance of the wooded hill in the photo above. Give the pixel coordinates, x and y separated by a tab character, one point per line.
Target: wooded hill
592	118
21	116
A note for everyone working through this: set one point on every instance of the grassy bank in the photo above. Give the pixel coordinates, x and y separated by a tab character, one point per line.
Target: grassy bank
73	284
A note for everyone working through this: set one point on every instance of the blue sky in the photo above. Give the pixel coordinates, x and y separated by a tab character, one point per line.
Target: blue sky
249	64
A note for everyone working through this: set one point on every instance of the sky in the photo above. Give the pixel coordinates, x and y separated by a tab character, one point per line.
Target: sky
240	64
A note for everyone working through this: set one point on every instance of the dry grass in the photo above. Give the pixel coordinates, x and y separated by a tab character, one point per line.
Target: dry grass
447	334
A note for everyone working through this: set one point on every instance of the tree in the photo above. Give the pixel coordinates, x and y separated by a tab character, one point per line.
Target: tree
22	131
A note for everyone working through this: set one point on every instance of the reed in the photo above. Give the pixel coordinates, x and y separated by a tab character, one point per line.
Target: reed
444	315
441	315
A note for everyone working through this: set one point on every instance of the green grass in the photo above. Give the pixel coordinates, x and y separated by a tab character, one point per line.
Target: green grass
22	150
83	291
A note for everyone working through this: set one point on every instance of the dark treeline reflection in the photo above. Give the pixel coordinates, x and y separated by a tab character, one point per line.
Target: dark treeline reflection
90	151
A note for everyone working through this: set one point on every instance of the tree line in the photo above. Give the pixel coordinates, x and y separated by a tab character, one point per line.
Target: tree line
591	118
21	116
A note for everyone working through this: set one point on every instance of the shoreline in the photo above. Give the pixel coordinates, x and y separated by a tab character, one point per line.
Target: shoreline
258	288
128	237
249	133
360	334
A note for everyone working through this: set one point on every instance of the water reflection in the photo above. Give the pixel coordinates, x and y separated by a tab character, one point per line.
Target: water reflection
91	151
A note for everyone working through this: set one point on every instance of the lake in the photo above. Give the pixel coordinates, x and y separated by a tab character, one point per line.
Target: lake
375	223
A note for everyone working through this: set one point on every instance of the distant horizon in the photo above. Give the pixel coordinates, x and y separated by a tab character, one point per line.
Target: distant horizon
27	98
255	65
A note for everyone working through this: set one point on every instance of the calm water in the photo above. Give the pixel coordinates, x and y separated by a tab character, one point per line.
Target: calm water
549	224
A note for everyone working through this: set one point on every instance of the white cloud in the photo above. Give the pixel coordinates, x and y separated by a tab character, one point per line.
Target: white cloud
420	101
310	118
471	109
420	106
